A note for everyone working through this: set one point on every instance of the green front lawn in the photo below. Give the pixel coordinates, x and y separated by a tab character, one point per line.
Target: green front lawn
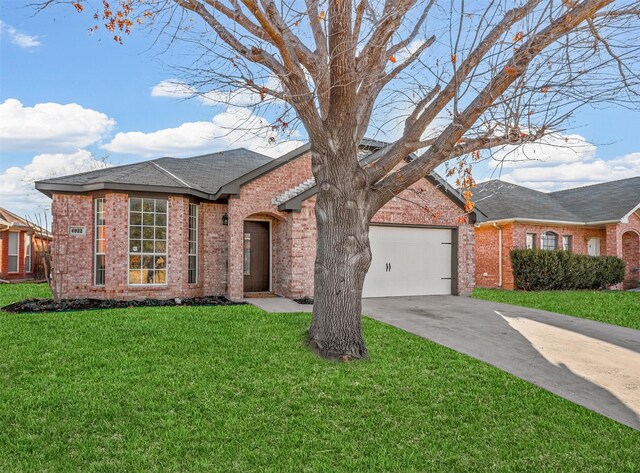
235	389
612	307
10	293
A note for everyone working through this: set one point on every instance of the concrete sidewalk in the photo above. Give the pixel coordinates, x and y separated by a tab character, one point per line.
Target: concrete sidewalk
593	364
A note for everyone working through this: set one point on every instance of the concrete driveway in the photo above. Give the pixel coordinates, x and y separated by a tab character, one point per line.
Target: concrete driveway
592	364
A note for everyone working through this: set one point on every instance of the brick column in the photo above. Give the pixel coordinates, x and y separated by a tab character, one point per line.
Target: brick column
235	243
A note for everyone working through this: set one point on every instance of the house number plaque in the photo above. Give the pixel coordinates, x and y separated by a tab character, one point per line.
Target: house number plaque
77	231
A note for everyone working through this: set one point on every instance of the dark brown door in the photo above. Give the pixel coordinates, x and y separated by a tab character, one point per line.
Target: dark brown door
256	256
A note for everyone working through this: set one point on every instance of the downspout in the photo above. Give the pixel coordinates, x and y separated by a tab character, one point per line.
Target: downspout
499	254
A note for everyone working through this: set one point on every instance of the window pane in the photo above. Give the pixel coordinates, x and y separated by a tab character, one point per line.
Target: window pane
135	277
100	270
147	233
135	246
147	246
13	264
160	277
136	218
161	206
101	246
161	246
147	219
159	262
147	262
13	244
161	220
134	262
161	233
147	205
136	205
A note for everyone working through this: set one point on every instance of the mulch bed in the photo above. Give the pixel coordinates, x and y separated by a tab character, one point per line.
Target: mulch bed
304	300
48	305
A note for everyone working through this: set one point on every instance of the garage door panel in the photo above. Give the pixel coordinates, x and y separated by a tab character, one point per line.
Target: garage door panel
409	261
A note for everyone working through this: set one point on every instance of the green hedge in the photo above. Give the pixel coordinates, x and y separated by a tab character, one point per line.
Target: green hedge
543	270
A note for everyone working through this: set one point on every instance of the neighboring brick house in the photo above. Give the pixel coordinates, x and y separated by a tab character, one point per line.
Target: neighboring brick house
601	219
19	245
236	222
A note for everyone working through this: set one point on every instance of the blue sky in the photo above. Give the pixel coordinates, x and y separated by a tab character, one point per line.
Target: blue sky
49	61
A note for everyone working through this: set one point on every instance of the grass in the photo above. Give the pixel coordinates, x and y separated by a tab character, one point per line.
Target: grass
612	307
10	293
234	389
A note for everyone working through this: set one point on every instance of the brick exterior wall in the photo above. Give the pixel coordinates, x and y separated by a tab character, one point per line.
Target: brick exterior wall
514	236
220	247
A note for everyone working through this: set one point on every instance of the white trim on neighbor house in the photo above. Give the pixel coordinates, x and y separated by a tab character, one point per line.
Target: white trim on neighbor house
545	222
625	219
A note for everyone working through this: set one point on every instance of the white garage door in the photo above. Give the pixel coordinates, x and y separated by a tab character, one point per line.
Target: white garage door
409	261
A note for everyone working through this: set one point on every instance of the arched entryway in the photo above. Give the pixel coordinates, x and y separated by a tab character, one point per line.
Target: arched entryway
631	257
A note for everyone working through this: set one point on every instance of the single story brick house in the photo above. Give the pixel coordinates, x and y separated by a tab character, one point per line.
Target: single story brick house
600	219
237	222
19	244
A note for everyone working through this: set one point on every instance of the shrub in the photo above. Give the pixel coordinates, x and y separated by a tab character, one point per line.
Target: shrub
543	270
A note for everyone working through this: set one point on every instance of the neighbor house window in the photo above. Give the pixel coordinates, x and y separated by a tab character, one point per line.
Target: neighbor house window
193	243
101	243
549	241
13	252
531	241
27	253
147	241
566	242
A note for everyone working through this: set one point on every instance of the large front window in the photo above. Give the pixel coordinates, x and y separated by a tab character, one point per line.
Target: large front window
101	244
147	241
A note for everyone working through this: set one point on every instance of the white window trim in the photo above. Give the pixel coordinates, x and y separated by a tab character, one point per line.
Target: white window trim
28	254
129	283
189	254
95	239
17	255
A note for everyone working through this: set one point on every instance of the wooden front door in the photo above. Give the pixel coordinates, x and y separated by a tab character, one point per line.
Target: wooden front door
256	256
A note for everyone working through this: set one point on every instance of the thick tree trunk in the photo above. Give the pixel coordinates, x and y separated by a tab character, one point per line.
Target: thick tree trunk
343	253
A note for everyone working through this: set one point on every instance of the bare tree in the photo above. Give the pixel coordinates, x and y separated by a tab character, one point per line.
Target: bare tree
491	73
41	241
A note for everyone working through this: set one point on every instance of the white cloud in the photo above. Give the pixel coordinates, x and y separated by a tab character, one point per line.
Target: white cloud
551	151
233	128
19	39
50	126
17	191
560	162
174	88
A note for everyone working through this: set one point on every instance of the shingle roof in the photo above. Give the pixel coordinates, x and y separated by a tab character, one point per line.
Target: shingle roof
206	174
8	218
500	200
600	202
